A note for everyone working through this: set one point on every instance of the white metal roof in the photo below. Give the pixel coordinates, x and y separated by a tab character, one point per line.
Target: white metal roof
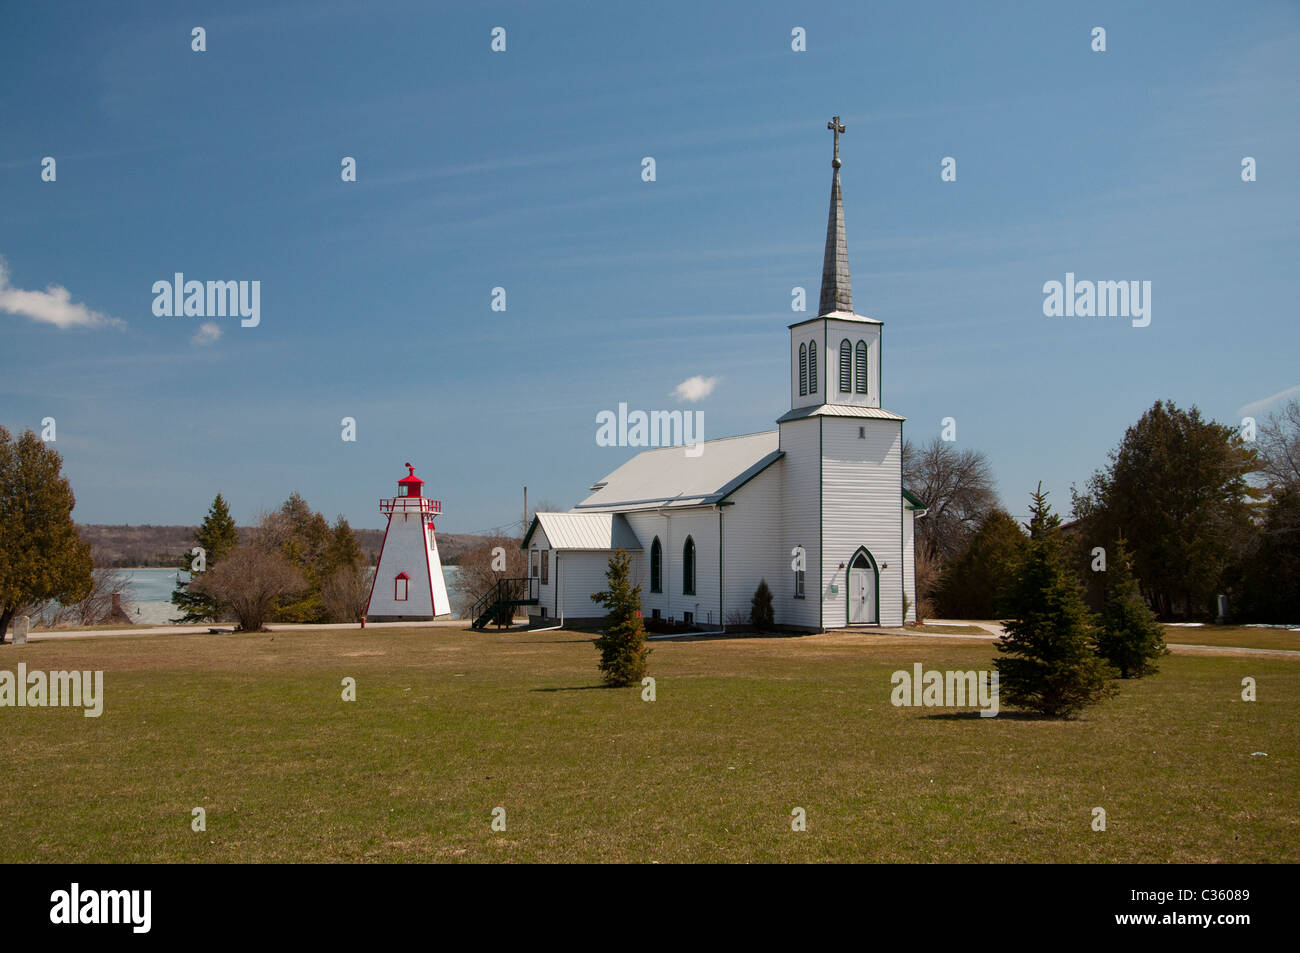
839	410
670	477
588	531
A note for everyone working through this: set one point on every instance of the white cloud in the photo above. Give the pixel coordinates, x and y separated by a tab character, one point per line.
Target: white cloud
209	332
1260	406
53	306
695	388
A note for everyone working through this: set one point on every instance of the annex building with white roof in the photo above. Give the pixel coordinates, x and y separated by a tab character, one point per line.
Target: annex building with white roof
823	491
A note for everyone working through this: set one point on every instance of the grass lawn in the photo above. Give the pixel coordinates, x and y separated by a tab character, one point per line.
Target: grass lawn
1233	635
449	724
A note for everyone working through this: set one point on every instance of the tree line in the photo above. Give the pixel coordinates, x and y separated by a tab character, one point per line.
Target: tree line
1204	510
291	566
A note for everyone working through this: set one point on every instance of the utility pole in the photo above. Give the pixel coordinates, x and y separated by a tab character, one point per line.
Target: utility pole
524	531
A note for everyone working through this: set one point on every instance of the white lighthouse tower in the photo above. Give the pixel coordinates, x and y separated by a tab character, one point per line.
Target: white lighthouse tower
408	584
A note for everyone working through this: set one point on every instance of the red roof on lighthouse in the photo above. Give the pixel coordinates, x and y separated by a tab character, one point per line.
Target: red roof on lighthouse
412	482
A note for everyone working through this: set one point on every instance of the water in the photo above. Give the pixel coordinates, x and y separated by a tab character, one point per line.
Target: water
150	592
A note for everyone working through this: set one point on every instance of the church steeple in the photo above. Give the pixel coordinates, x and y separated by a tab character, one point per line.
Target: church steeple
837	292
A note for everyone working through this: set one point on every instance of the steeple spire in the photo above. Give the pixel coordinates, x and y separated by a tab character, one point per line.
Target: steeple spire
837	292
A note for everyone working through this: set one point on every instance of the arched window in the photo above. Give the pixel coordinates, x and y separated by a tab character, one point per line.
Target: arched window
812	367
846	367
803	370
688	567
860	369
656	566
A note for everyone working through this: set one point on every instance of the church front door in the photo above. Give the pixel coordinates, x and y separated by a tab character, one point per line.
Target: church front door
862	592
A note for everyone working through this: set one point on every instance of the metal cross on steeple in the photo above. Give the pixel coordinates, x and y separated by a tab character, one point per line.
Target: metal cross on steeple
836	127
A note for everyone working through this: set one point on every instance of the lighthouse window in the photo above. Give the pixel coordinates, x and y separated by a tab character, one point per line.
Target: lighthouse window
401	587
401	491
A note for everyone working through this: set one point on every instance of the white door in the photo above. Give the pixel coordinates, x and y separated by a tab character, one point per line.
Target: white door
862	592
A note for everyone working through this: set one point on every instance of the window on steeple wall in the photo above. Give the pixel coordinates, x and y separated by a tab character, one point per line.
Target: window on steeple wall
846	366
860	369
812	367
803	370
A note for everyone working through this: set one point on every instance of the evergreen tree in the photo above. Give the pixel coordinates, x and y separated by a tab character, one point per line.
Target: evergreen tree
974	584
1049	664
622	645
1131	640
343	552
761	615
217	536
41	555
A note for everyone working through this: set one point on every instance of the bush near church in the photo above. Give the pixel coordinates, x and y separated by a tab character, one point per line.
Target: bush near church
1049	662
623	651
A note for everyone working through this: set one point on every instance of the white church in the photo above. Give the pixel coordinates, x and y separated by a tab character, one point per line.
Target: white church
823	491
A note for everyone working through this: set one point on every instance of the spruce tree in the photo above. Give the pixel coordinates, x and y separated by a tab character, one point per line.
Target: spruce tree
217	536
42	556
622	645
1131	640
1049	663
761	615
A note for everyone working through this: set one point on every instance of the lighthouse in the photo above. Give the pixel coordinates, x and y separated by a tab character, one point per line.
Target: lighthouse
408	584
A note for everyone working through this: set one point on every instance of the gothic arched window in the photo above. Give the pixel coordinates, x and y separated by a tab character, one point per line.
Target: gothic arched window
656	566
803	370
812	367
846	366
860	370
688	567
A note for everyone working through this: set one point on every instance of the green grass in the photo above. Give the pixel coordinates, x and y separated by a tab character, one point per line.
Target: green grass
1237	636
449	724
949	629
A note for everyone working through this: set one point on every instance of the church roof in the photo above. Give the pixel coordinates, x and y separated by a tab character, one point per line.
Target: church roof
669	478
595	531
838	410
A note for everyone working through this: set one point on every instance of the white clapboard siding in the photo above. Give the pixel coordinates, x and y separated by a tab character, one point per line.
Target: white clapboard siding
909	560
861	507
800	508
581	573
672	527
752	525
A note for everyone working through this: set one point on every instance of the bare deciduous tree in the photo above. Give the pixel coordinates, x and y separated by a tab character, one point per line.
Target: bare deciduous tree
248	581
956	486
346	592
1279	446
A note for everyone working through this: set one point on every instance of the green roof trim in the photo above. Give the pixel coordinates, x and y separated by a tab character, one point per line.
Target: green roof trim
911	498
529	534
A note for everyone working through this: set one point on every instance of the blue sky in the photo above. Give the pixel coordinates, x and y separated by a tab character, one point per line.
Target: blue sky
522	170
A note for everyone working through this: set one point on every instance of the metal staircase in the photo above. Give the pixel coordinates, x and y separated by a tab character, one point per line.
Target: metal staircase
497	604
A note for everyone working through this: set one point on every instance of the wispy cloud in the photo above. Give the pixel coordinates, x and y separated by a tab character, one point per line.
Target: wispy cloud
695	388
209	332
1260	406
53	306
